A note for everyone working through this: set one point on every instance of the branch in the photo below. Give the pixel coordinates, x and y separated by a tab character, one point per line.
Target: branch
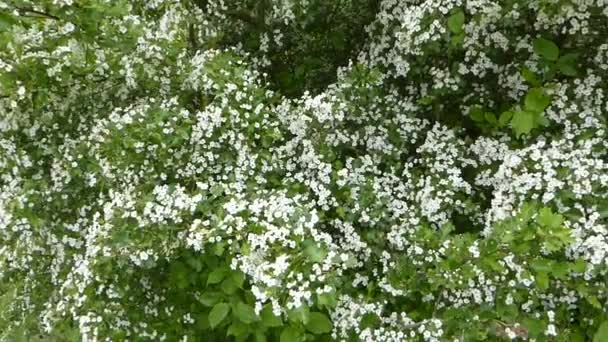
38	13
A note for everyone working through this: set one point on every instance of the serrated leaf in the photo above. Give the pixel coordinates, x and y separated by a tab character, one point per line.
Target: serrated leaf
245	313
536	100
546	49
547	218
318	323
522	122
218	313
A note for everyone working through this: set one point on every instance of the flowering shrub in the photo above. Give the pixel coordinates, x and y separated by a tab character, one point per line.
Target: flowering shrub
304	170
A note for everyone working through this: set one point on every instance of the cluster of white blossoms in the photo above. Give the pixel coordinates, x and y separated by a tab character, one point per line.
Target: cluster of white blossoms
155	184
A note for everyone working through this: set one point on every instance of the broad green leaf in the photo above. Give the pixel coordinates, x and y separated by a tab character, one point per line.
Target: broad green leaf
504	118
601	335
260	336
229	286
218	313
542	280
546	49
299	314
314	252
291	334
238	277
477	114
217	275
490	117
548	219
457	39
567	64
268	317
536	100
542	265
579	266
245	313
210	298
327	299
6	21
522	122
535	327
318	323
456	21
237	329
577	336
529	76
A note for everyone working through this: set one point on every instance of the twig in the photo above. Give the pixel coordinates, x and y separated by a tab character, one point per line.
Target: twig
39	13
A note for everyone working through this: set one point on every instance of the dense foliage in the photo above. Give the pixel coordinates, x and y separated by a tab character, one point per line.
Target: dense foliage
303	170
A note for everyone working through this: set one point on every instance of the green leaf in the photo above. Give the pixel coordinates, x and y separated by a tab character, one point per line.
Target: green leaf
327	299
601	335
301	314
546	49
547	218
229	286
536	100
218	313
477	114
260	336
535	327
238	277
318	323
522	122
237	329
567	64
217	275
579	266
6	21
210	298
577	336
504	118
456	21
457	39
291	334
314	252
542	265
529	76
268	317
594	302
491	118
245	313
542	280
